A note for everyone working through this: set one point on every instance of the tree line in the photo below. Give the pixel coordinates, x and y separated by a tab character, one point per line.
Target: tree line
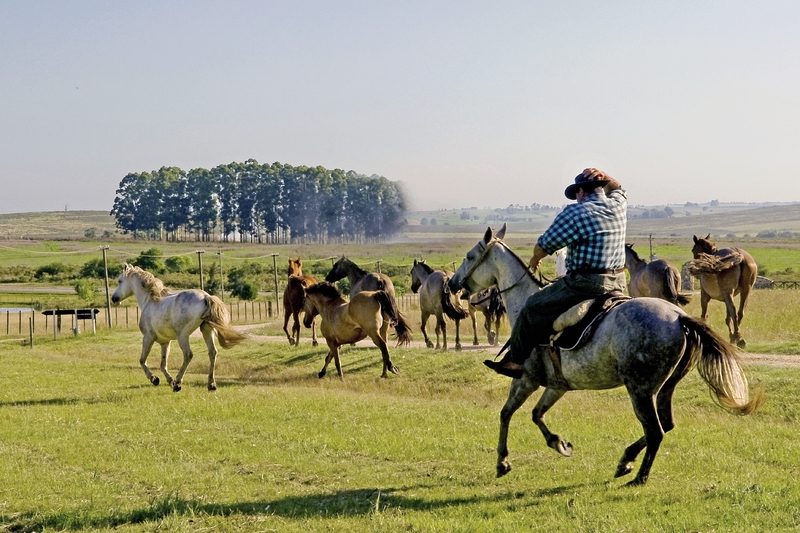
263	203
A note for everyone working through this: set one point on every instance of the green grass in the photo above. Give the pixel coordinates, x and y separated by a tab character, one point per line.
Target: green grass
88	444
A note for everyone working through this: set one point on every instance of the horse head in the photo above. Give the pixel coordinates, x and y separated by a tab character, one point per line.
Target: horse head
703	245
474	273
295	267
124	288
419	272
338	271
631	257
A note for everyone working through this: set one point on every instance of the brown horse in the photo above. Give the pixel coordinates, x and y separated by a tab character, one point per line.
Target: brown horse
488	303
367	314
724	274
293	298
657	279
435	299
360	279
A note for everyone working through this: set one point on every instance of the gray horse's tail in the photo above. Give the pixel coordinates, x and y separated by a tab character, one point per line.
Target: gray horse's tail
454	311
217	317
719	367
389	308
672	288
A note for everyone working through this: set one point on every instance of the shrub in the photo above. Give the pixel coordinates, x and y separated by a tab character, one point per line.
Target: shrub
52	270
150	260
179	263
94	269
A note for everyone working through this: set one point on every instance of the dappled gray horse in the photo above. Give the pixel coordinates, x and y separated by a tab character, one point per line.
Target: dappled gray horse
646	345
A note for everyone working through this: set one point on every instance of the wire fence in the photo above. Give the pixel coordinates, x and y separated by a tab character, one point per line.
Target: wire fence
27	323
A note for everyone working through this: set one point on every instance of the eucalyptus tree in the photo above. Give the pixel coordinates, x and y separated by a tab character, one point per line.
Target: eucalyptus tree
204	203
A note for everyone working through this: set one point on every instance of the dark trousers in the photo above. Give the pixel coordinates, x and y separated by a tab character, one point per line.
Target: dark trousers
534	325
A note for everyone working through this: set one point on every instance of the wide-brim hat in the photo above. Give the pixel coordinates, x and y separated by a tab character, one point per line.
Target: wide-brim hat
587	179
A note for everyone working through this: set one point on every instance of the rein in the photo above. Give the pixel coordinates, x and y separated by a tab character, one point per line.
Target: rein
485	251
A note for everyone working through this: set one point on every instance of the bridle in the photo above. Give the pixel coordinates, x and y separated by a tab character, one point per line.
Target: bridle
488	246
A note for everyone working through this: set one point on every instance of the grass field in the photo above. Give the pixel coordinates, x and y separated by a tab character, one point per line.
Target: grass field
88	444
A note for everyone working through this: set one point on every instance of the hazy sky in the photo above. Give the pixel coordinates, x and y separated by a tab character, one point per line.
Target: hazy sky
468	103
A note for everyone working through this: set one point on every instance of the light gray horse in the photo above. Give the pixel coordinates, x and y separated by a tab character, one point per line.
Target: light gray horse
657	278
435	299
167	316
646	344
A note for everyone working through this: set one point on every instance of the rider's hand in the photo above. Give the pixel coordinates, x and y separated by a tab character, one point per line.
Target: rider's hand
533	264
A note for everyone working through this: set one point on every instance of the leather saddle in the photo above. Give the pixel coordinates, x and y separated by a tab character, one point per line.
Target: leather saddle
576	326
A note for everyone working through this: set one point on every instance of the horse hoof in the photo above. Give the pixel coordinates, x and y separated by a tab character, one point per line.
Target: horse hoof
636	482
503	468
623	469
155	381
314	343
176	387
458	347
321	374
212	386
476	343
561	446
428	344
394	370
741	344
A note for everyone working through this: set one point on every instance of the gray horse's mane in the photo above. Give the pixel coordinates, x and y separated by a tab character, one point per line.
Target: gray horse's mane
425	266
154	286
325	289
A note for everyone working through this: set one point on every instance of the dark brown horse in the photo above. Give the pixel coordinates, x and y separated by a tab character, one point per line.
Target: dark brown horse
724	274
367	314
293	298
657	278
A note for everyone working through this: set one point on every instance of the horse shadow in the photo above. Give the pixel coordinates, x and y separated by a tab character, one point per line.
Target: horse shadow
350	503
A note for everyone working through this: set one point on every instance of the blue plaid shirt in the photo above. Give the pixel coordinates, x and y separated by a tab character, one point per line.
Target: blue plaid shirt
593	232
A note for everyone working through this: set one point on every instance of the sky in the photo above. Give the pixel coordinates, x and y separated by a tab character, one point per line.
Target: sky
467	103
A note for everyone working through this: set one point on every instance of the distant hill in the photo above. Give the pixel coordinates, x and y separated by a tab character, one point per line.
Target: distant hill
763	221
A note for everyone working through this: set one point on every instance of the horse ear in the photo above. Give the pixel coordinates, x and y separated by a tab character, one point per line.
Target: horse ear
488	235
502	233
708	237
415	262
695	238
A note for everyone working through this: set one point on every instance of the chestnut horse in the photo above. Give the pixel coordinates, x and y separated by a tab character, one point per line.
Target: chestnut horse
733	272
367	314
657	278
293	297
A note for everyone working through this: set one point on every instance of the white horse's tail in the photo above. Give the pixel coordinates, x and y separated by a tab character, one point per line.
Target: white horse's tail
719	367
217	317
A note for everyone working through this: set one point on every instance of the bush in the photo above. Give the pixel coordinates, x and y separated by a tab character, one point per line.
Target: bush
86	290
179	263
94	269
52	270
150	260
245	290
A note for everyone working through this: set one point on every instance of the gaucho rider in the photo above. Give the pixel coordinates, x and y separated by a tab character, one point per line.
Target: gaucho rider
593	230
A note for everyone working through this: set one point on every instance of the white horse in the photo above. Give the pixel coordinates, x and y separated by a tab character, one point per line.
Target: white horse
646	344
167	316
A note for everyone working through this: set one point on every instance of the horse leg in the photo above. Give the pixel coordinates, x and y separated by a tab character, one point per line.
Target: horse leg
548	399
147	343
208	336
496	331
387	362
644	406
704	299
743	295
424	321
332	349
286	314
487	325
474	329
183	342
296	327
165	360
458	335
520	391
440	326
314	332
731	320
338	363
